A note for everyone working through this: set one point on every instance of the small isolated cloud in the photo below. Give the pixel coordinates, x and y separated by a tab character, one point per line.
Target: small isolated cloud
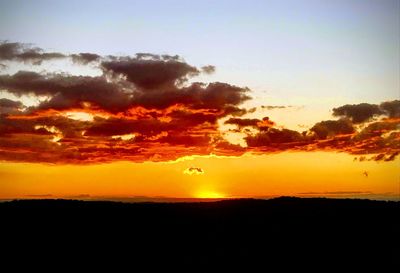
208	69
193	171
273	107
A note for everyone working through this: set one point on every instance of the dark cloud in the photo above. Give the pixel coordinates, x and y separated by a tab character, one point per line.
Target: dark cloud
280	139
21	52
363	112
376	129
26	53
85	58
9	106
68	91
10	103
330	128
218	96
391	108
121	126
392	156
67	127
272	107
256	123
150	56
379	157
193	171
226	148
243	122
151	73
358	113
208	69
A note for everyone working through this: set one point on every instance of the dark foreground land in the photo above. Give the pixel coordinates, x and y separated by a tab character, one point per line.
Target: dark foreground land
283	233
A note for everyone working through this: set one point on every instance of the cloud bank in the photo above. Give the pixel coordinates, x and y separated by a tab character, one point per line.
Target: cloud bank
144	108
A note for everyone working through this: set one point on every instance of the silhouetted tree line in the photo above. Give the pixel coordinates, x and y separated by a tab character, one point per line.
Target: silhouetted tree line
241	234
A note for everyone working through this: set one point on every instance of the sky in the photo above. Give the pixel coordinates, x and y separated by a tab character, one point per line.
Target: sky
234	99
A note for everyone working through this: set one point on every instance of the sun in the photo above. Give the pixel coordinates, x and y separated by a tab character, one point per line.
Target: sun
209	194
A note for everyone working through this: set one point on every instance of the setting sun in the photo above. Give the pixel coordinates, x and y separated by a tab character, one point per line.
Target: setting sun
209	194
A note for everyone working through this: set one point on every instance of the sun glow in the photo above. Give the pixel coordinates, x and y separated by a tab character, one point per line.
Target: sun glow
83	116
124	137
209	194
51	129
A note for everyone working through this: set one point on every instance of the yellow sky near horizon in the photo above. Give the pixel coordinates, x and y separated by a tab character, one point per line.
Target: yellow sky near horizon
290	173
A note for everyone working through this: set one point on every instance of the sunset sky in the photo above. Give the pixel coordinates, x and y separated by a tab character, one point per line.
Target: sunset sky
206	99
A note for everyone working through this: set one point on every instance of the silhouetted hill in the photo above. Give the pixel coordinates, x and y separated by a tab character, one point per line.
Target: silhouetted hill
243	234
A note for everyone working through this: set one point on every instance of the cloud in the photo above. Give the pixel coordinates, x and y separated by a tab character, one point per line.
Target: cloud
358	113
143	108
193	171
85	58
10	107
22	52
152	72
245	122
10	103
379	157
391	108
260	124
66	91
165	123
330	128
208	69
26	53
272	107
275	139
392	156
216	96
